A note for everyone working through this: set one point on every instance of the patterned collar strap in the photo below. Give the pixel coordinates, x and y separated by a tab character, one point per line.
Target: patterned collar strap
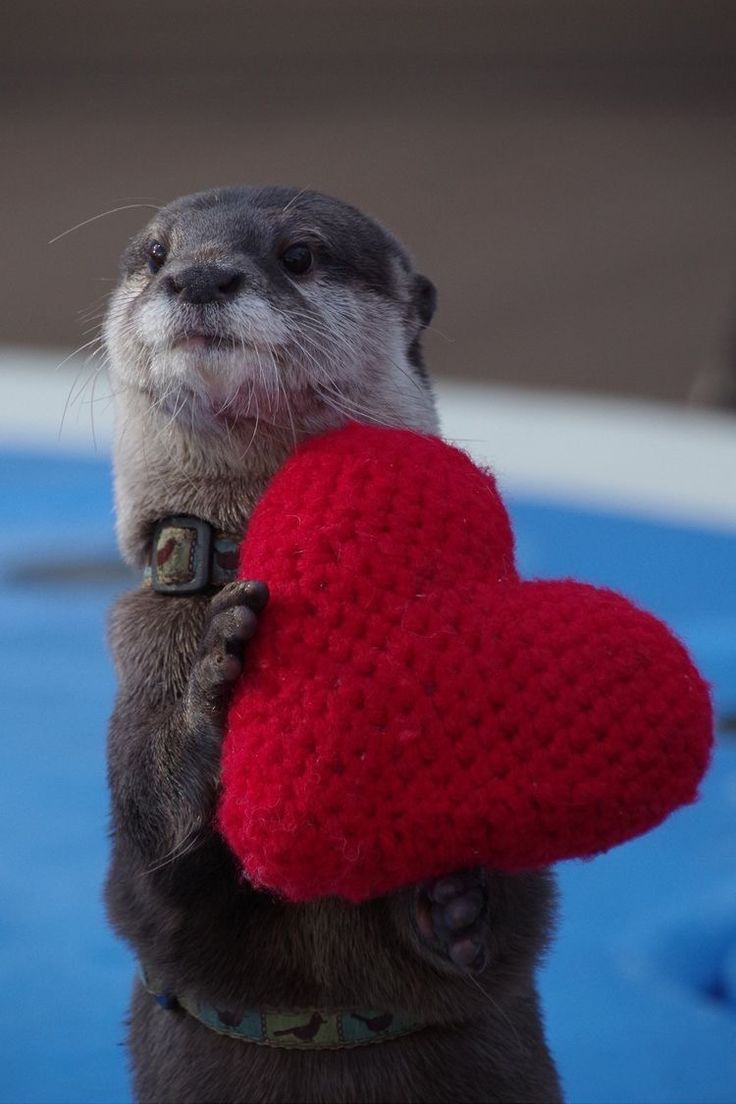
298	1029
188	556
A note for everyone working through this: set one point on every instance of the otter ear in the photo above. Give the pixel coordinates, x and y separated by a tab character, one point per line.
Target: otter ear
424	299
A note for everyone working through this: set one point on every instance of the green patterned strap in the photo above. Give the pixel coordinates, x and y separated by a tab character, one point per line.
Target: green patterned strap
188	556
297	1029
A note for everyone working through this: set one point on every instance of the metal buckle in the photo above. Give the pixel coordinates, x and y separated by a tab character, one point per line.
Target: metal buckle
200	558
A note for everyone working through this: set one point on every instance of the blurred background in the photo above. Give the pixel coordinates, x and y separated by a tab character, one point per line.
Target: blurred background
565	172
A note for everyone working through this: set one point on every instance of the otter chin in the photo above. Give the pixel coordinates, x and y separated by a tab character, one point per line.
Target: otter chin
199	342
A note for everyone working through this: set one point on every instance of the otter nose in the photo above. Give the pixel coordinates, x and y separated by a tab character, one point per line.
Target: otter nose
205	283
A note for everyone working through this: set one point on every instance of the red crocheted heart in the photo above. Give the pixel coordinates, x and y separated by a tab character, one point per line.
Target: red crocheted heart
411	707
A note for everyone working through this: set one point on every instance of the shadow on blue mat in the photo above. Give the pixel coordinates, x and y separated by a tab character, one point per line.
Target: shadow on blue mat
640	988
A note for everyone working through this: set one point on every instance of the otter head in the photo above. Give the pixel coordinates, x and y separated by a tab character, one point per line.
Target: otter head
271	306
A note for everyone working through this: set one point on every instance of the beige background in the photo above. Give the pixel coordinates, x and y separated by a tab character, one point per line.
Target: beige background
564	170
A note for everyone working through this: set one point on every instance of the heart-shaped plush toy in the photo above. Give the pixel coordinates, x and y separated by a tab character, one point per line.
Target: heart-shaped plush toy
411	707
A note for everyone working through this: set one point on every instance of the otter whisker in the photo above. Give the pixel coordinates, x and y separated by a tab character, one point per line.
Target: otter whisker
255	426
103	214
468	976
178	851
77	351
76	390
293	200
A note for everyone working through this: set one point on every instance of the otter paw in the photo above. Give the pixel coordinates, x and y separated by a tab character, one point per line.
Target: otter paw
232	620
451	915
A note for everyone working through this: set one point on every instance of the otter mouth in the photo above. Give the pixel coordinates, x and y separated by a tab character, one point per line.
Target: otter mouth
198	341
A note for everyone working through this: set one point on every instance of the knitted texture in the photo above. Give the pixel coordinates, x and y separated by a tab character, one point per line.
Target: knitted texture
411	707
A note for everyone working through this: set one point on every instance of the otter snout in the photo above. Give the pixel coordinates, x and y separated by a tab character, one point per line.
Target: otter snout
205	283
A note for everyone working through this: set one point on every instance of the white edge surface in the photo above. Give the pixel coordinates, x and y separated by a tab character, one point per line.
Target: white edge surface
648	459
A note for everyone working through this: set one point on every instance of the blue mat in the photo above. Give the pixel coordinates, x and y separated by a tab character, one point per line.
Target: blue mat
640	988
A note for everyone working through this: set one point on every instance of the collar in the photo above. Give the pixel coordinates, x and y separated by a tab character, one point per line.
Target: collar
293	1029
188	556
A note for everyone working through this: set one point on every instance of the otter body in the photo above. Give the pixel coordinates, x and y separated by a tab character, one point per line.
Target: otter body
245	321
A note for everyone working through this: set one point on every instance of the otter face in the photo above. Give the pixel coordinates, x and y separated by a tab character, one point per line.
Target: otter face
272	304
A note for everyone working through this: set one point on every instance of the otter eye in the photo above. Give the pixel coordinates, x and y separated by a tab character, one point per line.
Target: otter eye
156	254
297	259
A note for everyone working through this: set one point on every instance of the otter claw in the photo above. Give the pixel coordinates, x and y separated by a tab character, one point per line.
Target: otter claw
232	621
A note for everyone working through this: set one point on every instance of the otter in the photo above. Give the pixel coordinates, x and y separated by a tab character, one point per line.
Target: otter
246	320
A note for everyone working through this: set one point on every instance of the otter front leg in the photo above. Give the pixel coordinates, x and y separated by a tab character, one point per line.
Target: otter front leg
218	663
165	745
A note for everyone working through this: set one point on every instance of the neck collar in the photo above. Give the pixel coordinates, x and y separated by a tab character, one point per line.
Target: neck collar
292	1029
189	556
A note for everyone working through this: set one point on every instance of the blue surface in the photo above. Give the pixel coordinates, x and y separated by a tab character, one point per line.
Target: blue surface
640	988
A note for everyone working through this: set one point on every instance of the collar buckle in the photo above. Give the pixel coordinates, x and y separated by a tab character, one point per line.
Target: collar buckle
181	555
